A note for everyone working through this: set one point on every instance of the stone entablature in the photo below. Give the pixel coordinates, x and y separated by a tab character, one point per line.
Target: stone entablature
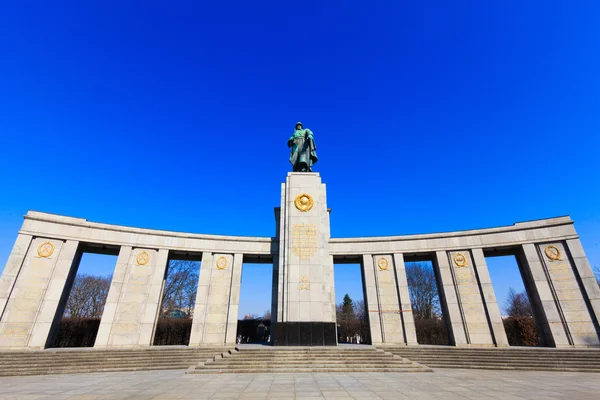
551	229
69	228
560	282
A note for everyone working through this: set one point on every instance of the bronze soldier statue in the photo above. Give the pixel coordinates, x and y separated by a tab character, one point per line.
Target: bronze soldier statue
302	149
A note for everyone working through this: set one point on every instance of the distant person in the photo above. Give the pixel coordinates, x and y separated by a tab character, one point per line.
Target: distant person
260	331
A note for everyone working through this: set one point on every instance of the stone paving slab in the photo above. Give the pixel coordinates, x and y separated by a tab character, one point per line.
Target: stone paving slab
442	384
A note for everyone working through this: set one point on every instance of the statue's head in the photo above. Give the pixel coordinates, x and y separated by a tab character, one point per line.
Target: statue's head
299	125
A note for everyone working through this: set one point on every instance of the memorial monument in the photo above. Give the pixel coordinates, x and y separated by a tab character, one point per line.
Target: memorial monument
39	273
305	312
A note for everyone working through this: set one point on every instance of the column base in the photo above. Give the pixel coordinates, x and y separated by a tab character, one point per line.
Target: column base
304	334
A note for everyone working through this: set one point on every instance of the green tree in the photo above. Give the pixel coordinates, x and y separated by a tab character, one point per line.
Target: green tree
348	308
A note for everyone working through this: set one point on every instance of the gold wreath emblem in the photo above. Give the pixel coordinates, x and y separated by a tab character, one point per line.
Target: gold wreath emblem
304	202
460	260
142	258
45	249
553	253
221	263
382	263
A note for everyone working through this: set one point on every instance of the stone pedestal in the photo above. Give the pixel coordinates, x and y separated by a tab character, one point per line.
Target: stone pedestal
305	313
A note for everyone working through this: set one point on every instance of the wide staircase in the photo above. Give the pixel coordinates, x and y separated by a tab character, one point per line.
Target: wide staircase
306	359
60	361
512	358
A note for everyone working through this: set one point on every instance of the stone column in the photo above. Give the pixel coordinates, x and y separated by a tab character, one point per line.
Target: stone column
12	269
572	307
543	302
217	300
469	299
153	300
134	298
112	299
234	299
389	312
56	295
408	319
277	277
490	302
372	307
306	311
588	280
197	332
37	292
449	300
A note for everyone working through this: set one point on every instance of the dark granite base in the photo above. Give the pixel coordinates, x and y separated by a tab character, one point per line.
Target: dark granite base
304	334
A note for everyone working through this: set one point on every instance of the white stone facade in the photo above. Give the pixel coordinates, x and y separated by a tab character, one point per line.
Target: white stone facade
306	289
36	279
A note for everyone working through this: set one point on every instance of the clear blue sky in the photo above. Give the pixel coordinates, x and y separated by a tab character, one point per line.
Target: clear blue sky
428	116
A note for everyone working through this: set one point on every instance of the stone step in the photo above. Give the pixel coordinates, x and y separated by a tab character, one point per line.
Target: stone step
528	363
544	353
549	353
303	360
305	370
54	362
91	363
283	362
188	360
545	350
521	368
535	359
496	357
506	362
113	351
357	358
261	364
51	356
308	352
77	370
106	357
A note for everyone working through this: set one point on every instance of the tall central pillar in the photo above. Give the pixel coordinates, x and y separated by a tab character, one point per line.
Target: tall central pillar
304	313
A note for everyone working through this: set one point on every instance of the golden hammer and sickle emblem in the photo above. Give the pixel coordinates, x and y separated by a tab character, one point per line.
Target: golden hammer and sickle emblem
460	260
221	263
553	253
304	202
382	263
142	258
45	249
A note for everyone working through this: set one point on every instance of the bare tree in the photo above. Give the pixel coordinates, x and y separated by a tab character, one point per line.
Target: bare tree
87	296
423	290
517	304
267	315
360	310
181	286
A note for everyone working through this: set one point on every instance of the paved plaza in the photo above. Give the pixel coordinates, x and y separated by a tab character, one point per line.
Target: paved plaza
442	384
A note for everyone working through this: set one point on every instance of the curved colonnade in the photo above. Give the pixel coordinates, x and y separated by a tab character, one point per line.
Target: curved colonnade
36	281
